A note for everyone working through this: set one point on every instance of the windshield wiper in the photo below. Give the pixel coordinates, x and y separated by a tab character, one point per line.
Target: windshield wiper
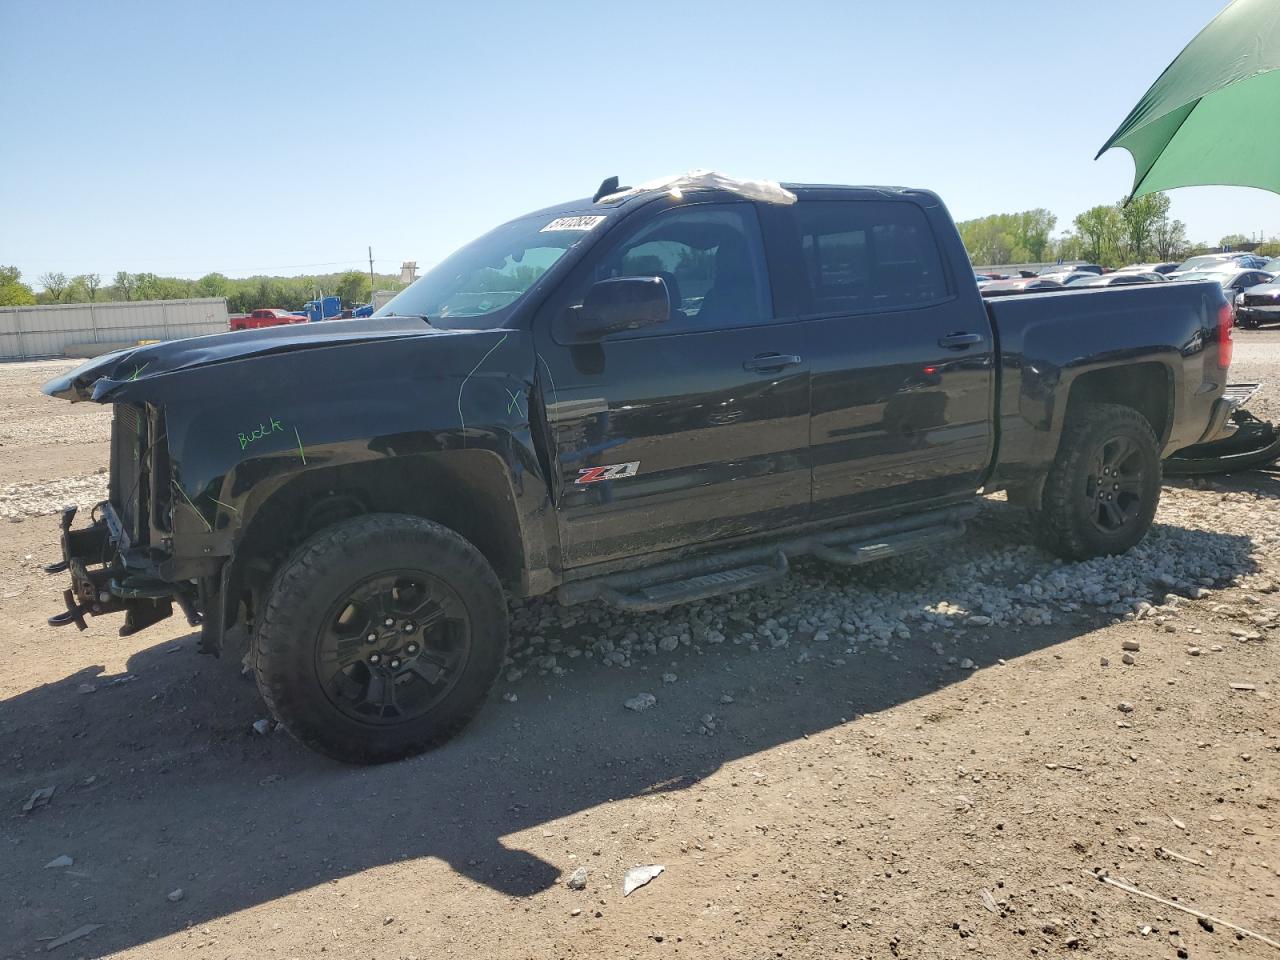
410	316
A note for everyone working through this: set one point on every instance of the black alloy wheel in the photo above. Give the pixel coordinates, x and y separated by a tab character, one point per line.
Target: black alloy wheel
1114	487
393	648
1101	492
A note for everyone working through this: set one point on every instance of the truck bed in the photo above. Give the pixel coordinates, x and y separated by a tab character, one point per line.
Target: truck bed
1047	340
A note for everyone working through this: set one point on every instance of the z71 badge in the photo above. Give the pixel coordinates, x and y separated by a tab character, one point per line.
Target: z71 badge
611	471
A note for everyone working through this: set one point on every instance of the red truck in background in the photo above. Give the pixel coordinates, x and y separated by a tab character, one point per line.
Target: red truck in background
269	317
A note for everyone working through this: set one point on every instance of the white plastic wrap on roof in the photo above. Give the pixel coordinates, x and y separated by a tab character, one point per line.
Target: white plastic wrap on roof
766	191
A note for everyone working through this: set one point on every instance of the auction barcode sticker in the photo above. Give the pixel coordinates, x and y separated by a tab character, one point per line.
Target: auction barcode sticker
571	223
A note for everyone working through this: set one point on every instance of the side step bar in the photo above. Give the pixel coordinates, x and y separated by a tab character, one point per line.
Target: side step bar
684	581
660	595
894	545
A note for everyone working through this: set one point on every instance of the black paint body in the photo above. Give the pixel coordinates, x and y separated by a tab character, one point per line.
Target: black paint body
874	414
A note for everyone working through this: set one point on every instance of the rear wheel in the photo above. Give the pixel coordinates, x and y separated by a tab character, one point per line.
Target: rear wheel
1103	487
380	638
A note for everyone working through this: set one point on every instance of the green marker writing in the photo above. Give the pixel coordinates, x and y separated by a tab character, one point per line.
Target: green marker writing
262	430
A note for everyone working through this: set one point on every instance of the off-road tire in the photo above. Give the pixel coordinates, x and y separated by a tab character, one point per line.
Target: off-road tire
302	594
1064	522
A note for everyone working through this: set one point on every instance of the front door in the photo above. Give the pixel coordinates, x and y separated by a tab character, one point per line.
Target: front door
688	431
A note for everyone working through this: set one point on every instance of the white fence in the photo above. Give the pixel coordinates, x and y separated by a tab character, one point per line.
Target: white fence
47	331
1013	269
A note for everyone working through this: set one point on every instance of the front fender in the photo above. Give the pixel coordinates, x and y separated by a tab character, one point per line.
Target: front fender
239	431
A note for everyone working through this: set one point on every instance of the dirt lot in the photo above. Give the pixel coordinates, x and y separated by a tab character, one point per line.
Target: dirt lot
924	759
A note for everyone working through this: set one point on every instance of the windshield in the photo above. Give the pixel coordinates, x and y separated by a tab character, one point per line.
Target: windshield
1202	263
1220	275
476	287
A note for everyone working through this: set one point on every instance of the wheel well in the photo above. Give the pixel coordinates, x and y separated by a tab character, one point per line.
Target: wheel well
1143	386
465	491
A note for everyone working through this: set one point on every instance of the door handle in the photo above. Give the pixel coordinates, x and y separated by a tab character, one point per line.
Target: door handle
769	362
959	341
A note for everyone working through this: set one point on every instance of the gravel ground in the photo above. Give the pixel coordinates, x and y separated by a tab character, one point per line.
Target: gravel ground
39	498
1257	360
930	757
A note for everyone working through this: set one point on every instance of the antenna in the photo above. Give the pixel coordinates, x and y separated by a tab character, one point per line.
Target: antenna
607	186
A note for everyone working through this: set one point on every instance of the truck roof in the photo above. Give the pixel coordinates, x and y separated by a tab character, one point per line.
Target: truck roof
609	207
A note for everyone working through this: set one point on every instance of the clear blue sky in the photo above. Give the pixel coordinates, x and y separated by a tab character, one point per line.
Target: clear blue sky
184	137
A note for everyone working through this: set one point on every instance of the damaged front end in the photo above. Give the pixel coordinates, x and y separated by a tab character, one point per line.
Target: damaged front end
229	451
118	562
149	545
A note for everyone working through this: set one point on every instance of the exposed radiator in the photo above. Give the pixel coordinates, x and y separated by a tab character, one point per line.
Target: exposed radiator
127	487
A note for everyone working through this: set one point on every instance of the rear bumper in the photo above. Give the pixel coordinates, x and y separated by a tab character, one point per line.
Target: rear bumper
1234	396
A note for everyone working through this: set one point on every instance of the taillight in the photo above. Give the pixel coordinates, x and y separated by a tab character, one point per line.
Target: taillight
1226	327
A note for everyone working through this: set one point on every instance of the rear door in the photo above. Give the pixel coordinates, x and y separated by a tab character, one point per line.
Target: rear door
689	431
902	375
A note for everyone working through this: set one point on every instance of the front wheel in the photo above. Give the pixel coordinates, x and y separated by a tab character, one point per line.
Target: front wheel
1103	487
380	638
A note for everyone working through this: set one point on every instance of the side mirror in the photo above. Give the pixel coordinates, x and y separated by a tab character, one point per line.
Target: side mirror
623	303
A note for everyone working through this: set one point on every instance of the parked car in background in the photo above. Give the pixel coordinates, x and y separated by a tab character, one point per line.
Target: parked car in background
324	308
1160	268
1004	288
1252	261
1115	279
267	317
1075	276
1058	268
1272	265
1232	281
1206	262
1258	305
1220	261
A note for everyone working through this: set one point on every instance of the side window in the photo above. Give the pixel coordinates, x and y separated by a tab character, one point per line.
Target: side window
866	255
711	257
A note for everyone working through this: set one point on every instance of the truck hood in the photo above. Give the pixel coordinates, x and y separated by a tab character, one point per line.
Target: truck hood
102	378
1264	290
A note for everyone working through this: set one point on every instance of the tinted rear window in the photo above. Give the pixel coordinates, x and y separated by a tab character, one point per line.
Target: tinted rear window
868	255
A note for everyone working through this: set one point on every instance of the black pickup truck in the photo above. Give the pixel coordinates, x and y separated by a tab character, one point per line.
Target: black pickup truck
644	398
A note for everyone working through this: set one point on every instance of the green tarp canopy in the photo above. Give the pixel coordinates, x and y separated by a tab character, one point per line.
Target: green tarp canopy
1213	116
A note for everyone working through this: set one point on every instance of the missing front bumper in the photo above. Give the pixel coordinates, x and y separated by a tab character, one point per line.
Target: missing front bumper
101	582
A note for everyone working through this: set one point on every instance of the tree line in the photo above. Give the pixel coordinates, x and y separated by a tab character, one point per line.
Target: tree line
242	294
1109	234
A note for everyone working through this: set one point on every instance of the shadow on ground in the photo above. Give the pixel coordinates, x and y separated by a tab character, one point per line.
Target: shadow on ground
160	784
1265	482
